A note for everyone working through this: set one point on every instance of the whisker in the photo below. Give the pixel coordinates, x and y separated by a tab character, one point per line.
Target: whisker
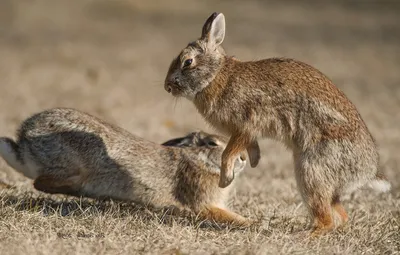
176	102
157	83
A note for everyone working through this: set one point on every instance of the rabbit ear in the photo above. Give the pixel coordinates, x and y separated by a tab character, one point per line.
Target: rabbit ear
214	29
186	141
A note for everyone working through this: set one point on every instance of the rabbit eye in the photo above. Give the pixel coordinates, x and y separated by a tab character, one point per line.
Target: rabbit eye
212	143
187	62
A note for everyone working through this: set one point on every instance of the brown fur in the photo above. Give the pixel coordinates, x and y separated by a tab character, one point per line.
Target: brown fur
223	216
282	99
339	209
53	185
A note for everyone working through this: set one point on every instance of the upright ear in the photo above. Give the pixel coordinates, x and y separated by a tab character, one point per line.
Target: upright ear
214	29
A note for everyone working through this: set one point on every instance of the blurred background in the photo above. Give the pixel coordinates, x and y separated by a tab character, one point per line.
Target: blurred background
110	57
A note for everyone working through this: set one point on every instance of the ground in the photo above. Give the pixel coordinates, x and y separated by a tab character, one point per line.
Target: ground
109	58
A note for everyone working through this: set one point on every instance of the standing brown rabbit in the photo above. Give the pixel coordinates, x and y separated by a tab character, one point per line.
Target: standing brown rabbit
286	100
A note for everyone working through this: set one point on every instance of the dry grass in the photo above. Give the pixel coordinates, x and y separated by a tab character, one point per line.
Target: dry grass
38	224
110	57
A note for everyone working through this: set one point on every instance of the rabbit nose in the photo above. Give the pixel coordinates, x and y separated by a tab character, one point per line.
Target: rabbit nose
168	88
176	81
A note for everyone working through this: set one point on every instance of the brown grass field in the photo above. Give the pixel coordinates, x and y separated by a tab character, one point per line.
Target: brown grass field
109	58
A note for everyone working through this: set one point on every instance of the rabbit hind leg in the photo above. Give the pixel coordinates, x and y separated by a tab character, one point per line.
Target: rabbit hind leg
58	184
339	209
317	195
322	214
220	215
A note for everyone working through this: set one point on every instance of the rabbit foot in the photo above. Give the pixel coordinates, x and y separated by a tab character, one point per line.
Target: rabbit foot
226	179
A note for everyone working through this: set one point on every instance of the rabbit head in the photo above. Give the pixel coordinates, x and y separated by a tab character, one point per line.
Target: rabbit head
197	64
212	147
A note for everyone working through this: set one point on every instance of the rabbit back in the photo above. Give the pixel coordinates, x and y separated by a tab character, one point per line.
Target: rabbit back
280	98
74	141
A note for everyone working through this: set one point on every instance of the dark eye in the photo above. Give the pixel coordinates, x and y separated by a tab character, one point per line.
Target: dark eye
187	62
212	143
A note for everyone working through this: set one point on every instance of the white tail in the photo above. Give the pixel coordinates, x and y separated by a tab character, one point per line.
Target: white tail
8	151
380	183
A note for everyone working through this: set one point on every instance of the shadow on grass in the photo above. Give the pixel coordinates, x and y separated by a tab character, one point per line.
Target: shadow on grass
67	206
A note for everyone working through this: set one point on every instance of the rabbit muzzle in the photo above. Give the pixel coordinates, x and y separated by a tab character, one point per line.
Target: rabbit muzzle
172	85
